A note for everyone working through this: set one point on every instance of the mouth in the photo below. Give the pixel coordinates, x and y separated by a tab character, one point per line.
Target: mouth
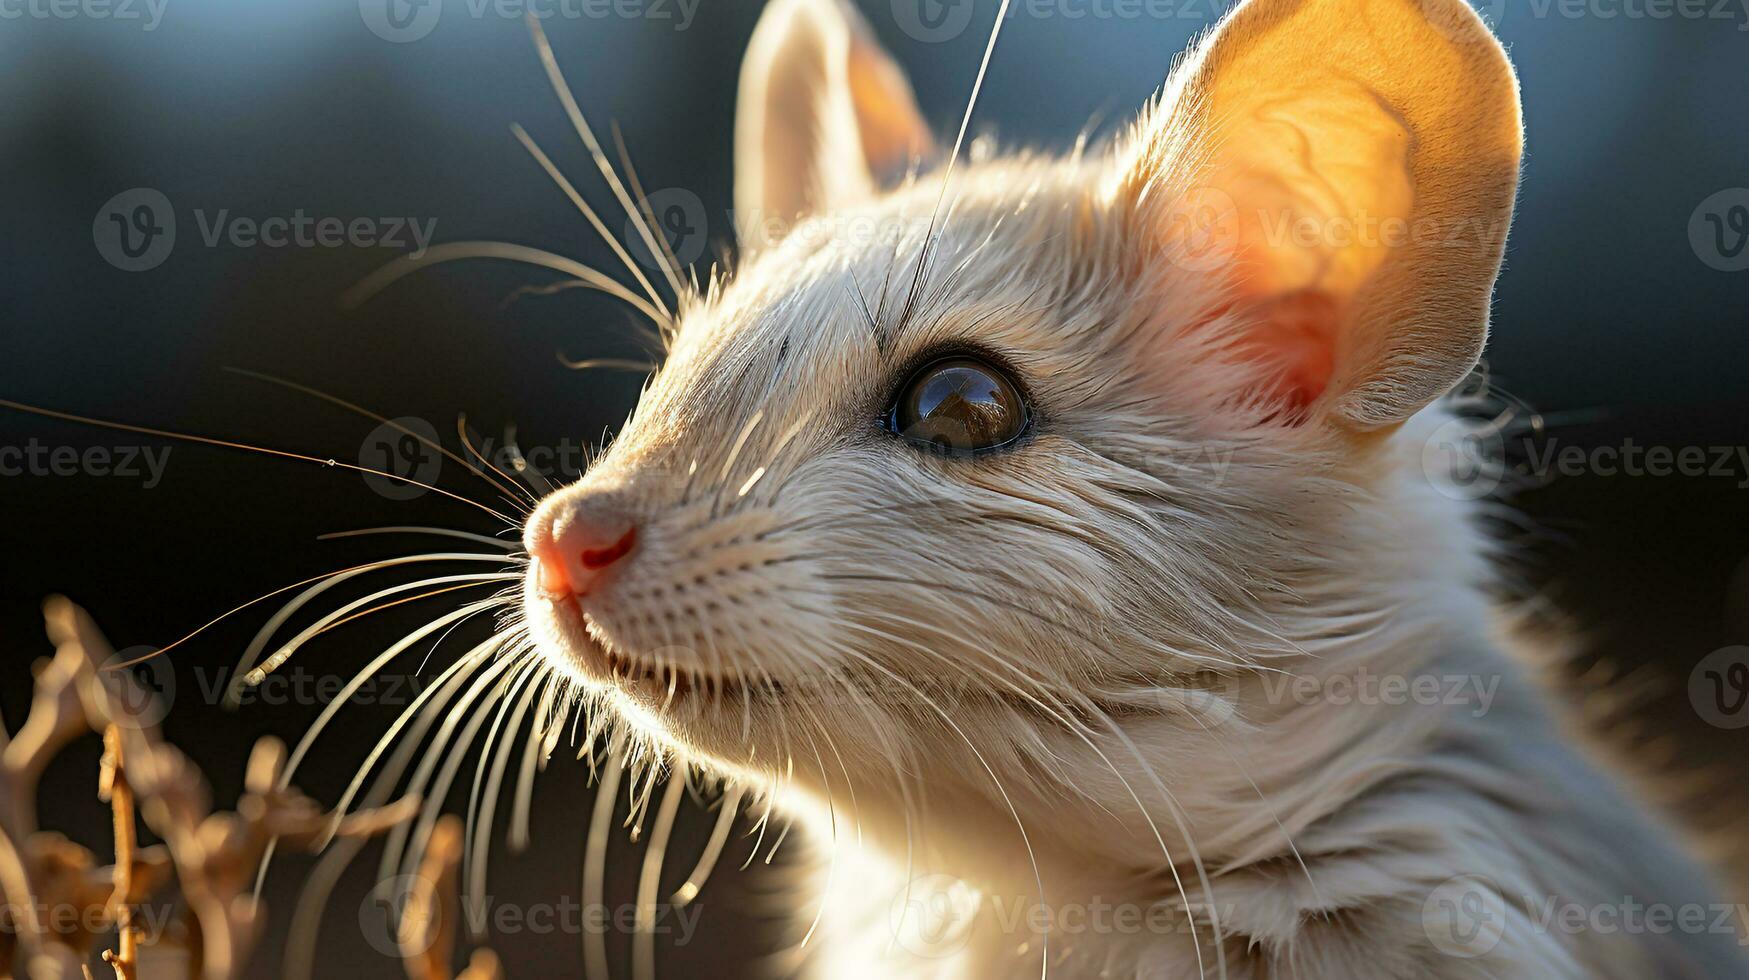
652	682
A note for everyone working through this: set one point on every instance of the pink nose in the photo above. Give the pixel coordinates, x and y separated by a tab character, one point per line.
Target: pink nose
573	559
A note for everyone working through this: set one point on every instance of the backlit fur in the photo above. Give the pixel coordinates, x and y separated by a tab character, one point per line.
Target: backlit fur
1042	677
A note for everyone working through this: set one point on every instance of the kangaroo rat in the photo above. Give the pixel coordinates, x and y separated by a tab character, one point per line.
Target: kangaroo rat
1022	551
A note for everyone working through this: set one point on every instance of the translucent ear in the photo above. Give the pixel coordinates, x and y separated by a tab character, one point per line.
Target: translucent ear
823	116
1350	165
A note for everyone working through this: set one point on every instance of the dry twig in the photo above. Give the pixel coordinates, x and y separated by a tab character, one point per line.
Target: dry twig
212	855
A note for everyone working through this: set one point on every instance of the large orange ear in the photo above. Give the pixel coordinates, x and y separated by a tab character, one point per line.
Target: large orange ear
1351	166
823	116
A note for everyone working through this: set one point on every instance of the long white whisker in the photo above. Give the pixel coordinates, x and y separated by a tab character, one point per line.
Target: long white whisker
462	667
457	754
536	480
307	916
924	254
291	647
246	663
670	261
650	880
486	808
594	219
587	135
713	849
418	529
521	496
405	265
547	720
398	857
595	862
335	400
340	700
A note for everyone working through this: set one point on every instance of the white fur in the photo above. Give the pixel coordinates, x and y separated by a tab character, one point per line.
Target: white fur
1043	678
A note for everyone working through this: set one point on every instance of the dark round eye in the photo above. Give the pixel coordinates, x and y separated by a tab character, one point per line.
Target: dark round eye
959	405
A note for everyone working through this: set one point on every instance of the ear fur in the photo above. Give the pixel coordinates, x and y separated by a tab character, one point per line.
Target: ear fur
823	115
1353	163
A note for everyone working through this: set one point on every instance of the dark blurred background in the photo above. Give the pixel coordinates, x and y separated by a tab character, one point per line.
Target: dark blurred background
1621	315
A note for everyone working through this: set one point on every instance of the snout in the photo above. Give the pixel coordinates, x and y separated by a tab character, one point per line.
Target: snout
577	539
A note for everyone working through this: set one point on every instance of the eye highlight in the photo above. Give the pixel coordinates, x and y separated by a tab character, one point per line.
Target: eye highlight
959	405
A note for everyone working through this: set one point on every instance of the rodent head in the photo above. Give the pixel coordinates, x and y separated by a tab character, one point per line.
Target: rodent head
1111	436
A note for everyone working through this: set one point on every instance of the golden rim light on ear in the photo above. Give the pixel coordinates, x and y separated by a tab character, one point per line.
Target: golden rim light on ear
824	117
1362	152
